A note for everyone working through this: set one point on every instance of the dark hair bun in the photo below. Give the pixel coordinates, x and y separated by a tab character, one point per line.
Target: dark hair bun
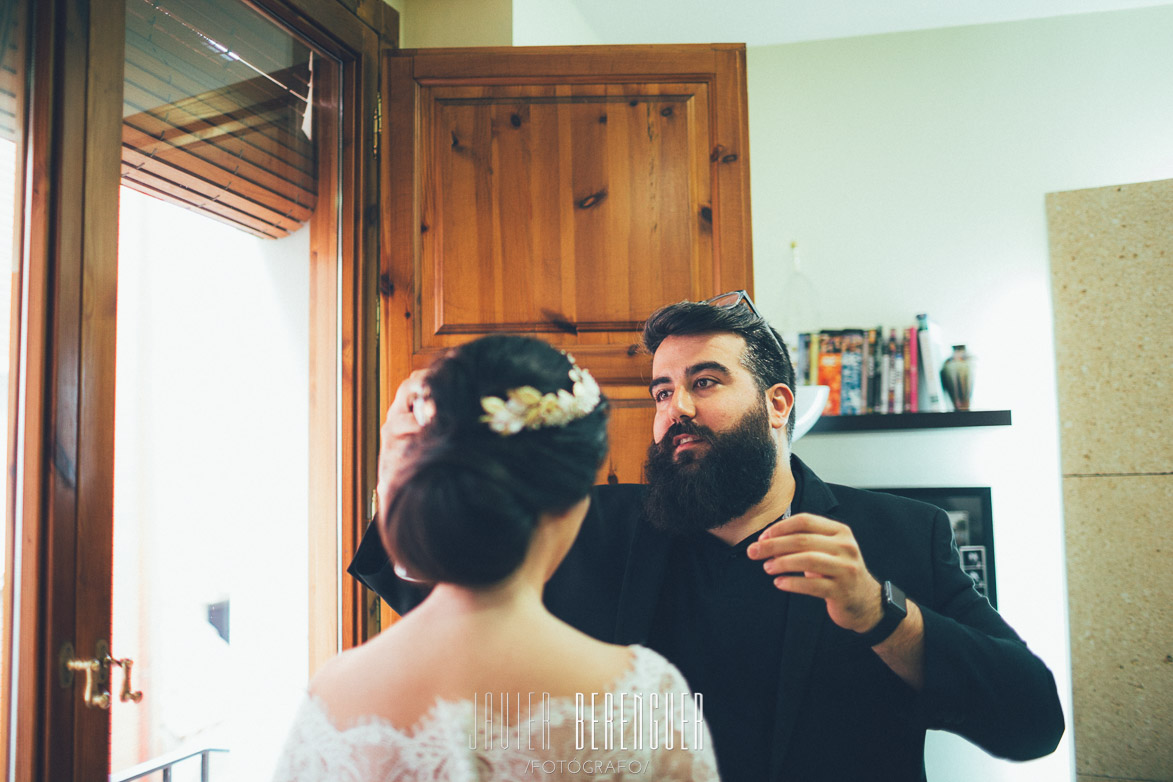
467	500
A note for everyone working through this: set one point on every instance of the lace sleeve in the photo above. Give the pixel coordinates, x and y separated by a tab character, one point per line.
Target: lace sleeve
374	751
306	755
316	751
650	727
687	747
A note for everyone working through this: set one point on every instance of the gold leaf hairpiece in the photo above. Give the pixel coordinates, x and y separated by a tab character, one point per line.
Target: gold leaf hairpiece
528	408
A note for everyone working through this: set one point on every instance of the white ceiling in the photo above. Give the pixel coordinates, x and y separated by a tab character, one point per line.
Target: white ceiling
765	22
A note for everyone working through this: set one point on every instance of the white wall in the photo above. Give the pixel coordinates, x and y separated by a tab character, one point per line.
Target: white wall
911	169
444	23
550	23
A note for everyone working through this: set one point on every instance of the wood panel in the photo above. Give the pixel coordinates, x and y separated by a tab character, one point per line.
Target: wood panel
99	297
548	195
66	497
342	297
324	392
564	192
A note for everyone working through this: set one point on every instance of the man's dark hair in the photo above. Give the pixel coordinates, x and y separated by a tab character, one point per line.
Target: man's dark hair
761	356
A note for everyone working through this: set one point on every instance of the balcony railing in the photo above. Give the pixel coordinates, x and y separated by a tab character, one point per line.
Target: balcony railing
167	762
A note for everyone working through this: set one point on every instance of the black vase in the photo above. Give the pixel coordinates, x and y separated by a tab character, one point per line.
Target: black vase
957	377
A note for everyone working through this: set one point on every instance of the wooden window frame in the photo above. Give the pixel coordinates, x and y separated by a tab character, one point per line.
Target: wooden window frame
72	157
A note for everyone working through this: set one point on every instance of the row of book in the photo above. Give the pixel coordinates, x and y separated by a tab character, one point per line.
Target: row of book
878	370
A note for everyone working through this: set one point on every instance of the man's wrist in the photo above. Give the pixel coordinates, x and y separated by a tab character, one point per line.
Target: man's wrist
875	611
893	611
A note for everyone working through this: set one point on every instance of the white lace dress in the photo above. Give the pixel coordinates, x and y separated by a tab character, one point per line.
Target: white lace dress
649	726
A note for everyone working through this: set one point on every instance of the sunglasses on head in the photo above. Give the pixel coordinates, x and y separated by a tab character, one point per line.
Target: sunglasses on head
728	301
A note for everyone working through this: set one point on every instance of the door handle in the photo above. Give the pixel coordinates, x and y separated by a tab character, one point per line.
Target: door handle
127	693
97	671
96	675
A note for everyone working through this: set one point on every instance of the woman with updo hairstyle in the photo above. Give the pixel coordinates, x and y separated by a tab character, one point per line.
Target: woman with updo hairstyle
468	500
504	439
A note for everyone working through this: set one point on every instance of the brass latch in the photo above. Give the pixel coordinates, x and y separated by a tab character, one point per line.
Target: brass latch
377	122
127	694
97	671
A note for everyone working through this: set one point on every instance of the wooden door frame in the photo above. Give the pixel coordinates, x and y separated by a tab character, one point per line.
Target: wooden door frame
345	412
72	161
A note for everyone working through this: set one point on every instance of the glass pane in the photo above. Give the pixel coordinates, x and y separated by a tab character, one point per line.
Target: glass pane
12	94
213	438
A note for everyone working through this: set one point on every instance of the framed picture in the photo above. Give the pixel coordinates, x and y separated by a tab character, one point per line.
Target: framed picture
970	511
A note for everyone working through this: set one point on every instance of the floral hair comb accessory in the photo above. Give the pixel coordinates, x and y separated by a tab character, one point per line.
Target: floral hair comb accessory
528	408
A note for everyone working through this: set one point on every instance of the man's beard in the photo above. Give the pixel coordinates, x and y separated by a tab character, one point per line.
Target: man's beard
704	490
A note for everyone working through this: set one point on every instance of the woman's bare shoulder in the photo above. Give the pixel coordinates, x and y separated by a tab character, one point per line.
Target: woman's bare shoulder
567	661
398	676
365	682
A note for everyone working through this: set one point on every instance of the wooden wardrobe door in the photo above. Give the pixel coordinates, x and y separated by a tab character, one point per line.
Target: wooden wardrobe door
565	193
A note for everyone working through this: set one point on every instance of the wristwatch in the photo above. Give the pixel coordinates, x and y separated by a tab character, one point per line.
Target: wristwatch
893	602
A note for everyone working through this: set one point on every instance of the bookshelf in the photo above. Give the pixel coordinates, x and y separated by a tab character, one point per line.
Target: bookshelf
837	424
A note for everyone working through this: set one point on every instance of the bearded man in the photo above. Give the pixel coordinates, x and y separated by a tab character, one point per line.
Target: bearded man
826	627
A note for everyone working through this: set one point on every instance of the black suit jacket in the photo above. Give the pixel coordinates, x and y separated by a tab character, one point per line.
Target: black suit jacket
842	714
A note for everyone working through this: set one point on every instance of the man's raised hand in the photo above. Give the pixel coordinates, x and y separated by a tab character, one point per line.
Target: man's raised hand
399	427
812	555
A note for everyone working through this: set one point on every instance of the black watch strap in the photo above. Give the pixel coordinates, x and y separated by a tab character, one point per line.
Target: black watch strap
893	602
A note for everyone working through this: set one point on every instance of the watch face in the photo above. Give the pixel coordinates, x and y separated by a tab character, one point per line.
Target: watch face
894	600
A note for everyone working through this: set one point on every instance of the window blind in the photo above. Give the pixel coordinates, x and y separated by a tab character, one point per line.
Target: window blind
215	114
11	50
